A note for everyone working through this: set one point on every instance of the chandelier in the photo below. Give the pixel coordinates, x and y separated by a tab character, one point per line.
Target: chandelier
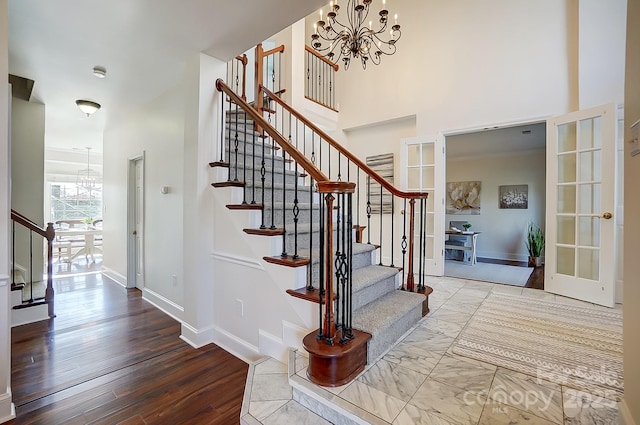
88	178
355	38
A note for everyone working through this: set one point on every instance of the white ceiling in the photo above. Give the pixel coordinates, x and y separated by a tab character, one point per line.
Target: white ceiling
143	44
495	141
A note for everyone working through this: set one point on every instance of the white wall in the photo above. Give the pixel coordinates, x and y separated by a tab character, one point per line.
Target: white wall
27	177
465	64
6	406
503	230
157	129
601	52
631	290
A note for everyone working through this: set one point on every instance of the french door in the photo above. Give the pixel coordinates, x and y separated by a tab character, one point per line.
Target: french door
580	245
422	164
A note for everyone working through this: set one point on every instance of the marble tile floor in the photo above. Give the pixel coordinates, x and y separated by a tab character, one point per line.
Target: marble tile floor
421	381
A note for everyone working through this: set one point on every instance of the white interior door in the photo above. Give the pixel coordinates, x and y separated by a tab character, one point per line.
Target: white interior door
579	250
135	226
422	164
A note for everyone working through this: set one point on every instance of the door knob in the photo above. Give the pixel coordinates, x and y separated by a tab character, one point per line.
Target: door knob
606	215
135	232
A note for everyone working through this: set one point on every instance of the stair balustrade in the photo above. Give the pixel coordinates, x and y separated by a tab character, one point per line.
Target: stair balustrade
275	154
296	174
49	235
339	163
320	79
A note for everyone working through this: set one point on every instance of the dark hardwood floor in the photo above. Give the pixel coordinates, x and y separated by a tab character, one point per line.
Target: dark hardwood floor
110	357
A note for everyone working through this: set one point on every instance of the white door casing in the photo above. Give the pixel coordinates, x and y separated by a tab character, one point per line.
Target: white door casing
422	164
580	237
135	227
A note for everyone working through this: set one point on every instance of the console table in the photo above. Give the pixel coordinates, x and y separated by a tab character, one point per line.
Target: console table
473	236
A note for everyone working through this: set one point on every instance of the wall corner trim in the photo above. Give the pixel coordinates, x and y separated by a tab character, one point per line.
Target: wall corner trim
625	417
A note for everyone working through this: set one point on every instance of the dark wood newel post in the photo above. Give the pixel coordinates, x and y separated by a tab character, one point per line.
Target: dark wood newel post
330	329
410	280
49	294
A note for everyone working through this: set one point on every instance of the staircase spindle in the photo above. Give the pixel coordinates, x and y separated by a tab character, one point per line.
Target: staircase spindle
421	245
230	139
253	166
31	265
236	147
393	215
421	285
403	244
284	201
263	173
244	162
327	236
349	293
310	267
369	209
222	128
380	212
410	281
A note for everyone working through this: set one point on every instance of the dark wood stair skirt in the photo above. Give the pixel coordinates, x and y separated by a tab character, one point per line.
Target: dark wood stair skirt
335	365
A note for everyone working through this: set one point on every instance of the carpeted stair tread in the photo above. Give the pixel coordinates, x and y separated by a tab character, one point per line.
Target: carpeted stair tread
367	276
380	314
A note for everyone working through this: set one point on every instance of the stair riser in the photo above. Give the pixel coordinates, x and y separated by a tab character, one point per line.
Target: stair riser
230	152
386	337
359	260
288	195
373	292
304	216
269	178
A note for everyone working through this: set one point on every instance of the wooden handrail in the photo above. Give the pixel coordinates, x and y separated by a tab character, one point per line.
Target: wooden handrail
47	233
295	154
279	49
368	170
333	65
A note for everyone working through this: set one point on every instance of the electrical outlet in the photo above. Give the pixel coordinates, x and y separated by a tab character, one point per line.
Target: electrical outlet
240	307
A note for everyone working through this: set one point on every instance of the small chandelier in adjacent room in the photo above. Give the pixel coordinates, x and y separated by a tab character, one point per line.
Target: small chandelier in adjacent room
356	36
88	178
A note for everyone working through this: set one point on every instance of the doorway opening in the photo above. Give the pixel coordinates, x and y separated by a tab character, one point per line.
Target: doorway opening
135	223
495	187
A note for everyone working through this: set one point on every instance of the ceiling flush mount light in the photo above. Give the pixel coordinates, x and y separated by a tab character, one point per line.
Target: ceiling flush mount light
355	37
99	71
87	106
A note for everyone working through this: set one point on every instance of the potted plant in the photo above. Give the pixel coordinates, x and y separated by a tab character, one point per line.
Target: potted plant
466	226
535	245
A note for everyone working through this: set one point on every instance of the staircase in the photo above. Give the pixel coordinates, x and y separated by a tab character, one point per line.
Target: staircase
31	300
361	312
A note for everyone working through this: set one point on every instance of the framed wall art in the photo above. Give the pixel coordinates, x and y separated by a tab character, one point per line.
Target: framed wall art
463	198
513	196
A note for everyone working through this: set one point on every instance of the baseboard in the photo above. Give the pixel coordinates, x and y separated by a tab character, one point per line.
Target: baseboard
166	305
28	315
625	417
272	346
236	346
196	338
7	408
115	276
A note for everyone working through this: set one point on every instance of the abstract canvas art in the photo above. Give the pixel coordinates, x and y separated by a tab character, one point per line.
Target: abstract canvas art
514	196
463	198
383	165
